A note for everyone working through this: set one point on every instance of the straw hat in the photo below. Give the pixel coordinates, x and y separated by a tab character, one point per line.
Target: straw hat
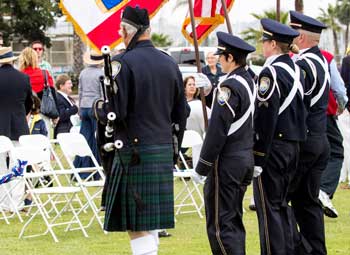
6	55
93	58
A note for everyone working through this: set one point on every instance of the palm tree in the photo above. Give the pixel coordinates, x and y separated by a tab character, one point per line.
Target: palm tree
343	11
161	40
78	50
329	17
299	5
254	35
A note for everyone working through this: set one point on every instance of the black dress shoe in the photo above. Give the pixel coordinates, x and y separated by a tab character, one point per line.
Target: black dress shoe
163	233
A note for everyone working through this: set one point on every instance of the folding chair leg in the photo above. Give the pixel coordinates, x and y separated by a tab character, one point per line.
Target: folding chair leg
75	215
4	216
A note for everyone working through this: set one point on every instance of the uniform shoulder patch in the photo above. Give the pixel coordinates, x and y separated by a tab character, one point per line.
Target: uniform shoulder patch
264	85
223	95
116	67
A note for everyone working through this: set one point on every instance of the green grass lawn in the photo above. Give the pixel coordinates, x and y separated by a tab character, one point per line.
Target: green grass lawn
188	237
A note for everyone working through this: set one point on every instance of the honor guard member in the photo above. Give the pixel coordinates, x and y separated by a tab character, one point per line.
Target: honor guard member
279	127
149	101
226	156
314	152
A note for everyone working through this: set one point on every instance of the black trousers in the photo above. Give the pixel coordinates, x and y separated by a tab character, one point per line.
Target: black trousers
331	174
270	195
314	154
223	193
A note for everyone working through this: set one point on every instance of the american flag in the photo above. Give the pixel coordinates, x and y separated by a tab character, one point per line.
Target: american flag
208	15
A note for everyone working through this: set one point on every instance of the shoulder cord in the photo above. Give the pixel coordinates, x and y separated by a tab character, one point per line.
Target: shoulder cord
220	91
252	95
323	64
274	85
297	86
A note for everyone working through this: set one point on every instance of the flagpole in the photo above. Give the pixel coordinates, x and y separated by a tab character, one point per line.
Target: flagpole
227	18
278	10
199	68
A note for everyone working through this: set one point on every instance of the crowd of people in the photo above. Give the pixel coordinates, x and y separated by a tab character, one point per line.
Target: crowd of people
278	130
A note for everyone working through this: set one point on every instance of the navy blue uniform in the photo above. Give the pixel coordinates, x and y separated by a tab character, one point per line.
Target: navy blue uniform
276	150
314	154
227	161
150	98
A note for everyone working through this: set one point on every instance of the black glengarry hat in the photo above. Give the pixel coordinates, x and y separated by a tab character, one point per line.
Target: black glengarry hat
301	21
136	17
229	43
273	30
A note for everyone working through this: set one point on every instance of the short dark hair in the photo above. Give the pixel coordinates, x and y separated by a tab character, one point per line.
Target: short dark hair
36	104
35	42
239	57
61	80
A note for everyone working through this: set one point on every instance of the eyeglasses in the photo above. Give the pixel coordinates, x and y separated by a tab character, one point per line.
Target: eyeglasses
38	49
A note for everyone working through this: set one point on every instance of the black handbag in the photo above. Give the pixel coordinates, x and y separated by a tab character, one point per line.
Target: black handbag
48	104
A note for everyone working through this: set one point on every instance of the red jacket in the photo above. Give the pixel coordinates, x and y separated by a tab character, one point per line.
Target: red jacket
37	78
332	102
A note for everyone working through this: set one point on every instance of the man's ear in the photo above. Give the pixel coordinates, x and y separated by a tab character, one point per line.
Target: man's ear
230	58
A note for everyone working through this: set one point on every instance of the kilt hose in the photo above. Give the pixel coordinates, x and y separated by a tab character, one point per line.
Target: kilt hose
141	197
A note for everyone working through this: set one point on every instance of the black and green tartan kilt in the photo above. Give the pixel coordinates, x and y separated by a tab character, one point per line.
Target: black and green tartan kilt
141	197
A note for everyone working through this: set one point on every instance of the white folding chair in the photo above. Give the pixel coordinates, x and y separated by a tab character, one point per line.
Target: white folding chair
47	155
6	148
189	192
43	197
75	144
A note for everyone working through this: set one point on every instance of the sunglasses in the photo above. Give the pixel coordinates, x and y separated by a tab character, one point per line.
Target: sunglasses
38	49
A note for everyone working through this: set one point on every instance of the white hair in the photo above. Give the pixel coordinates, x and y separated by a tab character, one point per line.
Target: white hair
131	30
311	36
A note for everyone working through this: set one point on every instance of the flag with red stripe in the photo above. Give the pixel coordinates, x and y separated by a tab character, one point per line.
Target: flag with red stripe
97	21
208	15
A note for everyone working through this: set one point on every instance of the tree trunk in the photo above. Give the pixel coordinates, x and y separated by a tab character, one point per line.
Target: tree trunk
347	36
78	50
299	5
336	46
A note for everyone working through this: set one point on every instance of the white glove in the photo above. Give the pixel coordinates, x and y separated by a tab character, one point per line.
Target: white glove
257	171
197	178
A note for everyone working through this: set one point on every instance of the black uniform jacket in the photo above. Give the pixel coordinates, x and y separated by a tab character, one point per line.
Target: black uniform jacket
65	110
217	142
15	102
290	124
150	96
316	119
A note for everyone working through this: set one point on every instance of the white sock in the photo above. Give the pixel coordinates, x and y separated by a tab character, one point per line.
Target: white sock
145	245
154	233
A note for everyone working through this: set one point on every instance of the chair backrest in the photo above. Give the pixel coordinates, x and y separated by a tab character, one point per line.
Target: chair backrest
191	138
74	144
34	155
6	144
42	146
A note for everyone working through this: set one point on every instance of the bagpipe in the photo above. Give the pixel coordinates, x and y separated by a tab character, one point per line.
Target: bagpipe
106	117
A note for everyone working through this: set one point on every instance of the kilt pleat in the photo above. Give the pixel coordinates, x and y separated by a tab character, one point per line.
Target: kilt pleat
151	181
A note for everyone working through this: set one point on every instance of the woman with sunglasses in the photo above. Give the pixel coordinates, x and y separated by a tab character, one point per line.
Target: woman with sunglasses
39	48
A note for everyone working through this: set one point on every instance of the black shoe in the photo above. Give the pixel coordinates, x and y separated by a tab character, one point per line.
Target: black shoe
252	207
163	233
